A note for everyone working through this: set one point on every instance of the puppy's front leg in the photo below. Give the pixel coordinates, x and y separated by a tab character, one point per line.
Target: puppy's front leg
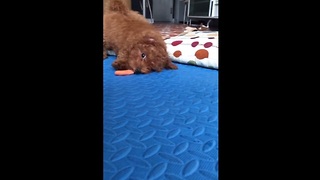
105	55
121	62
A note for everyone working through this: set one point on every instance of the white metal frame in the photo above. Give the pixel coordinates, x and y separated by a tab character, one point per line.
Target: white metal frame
212	11
144	9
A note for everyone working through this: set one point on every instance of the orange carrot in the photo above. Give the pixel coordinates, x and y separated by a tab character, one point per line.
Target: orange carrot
123	72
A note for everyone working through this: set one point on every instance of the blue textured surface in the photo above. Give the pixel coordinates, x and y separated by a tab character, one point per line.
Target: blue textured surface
161	125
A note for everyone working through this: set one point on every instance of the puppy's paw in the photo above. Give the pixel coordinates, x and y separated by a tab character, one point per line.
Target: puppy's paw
170	65
117	65
105	55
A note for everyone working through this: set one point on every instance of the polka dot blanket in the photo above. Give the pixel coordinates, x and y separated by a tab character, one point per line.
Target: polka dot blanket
199	48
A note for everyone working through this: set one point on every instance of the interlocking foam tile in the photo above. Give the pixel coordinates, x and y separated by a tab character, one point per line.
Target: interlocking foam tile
161	125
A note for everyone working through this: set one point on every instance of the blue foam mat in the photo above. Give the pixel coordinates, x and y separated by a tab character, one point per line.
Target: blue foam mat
161	125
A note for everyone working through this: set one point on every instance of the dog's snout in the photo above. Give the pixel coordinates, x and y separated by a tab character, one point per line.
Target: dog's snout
138	70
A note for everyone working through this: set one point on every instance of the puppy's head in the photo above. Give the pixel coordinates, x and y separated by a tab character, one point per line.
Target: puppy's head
149	55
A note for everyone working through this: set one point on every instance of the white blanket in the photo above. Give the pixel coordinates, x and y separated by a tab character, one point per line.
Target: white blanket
196	48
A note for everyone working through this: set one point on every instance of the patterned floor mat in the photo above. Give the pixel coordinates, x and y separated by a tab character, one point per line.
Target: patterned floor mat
161	125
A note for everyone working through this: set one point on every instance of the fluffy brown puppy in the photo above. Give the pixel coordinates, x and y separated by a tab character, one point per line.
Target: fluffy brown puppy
138	45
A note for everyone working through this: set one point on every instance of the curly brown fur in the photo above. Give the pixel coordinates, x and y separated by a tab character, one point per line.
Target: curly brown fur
138	45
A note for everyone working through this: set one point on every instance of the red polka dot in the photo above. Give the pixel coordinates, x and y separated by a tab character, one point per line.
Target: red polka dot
176	43
201	54
177	53
208	44
194	44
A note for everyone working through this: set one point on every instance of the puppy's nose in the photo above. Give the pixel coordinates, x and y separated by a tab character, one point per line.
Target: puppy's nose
138	70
